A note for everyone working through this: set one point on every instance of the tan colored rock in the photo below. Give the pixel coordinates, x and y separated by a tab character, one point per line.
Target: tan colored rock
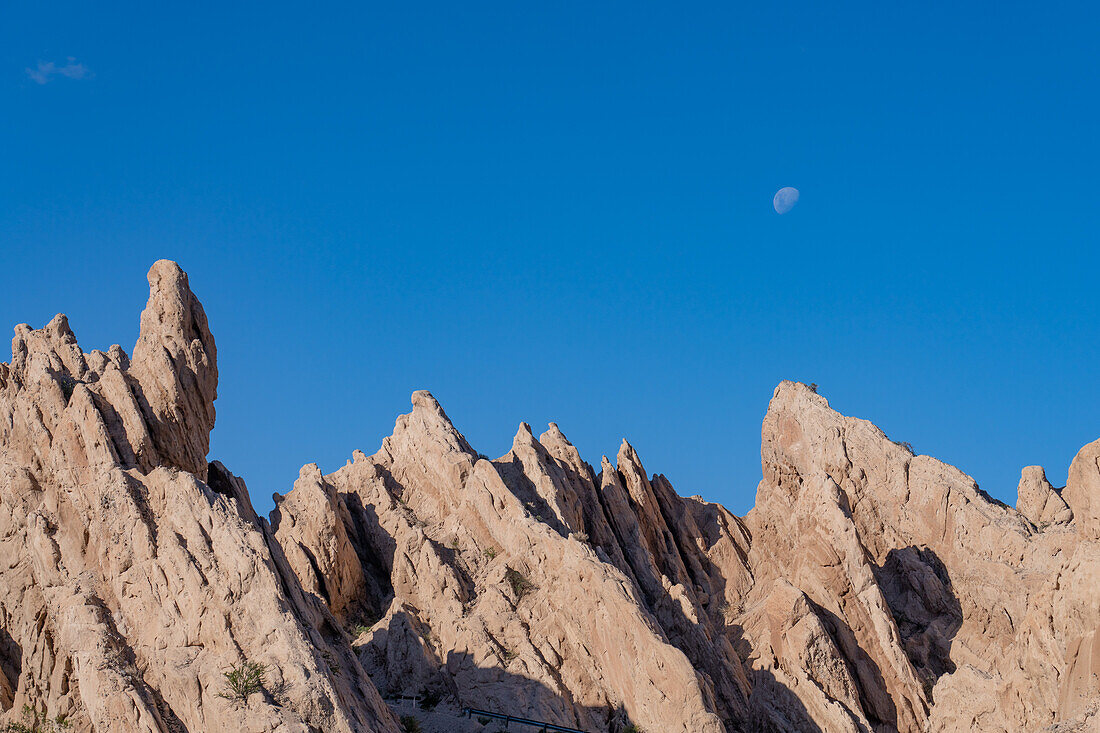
1082	492
989	614
310	525
869	589
129	584
801	678
1040	502
516	611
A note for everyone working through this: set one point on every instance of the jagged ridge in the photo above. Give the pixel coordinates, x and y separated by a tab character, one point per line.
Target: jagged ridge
869	589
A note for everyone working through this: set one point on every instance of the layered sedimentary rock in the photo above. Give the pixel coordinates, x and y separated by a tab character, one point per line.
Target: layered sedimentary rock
870	589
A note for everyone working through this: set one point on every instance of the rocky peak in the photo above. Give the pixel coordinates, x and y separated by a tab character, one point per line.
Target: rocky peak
1038	501
175	371
869	590
131	585
311	524
51	350
1082	492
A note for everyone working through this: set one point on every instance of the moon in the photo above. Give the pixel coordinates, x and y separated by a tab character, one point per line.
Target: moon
785	199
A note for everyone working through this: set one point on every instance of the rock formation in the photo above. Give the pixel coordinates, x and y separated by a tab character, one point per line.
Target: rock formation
870	589
133	573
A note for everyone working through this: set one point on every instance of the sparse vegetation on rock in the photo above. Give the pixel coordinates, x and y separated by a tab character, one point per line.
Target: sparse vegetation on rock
68	386
38	721
518	582
244	679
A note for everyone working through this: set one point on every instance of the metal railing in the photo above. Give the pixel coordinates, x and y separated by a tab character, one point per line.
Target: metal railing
470	712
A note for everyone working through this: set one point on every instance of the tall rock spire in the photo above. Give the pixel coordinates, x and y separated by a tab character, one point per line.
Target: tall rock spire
175	369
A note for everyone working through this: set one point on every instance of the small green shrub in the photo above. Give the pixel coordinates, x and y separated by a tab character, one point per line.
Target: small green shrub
483	720
813	388
491	552
244	679
35	721
633	728
519	583
68	385
364	621
409	724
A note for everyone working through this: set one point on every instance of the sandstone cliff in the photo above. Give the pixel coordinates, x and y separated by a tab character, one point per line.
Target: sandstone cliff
870	589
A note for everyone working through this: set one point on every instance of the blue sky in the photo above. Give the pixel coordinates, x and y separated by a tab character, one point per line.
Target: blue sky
563	212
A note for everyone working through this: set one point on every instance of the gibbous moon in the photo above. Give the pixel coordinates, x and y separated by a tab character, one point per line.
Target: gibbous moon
785	199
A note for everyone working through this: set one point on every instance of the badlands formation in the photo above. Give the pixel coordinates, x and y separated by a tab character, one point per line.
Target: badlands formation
870	589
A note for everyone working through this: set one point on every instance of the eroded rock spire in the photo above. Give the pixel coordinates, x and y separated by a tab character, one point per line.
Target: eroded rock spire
175	368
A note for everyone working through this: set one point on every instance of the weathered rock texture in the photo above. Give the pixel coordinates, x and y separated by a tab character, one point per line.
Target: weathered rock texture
132	573
870	589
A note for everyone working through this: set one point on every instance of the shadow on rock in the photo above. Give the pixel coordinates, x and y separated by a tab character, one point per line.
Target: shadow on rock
918	590
11	667
773	707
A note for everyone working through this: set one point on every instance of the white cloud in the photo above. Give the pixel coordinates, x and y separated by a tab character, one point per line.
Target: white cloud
47	70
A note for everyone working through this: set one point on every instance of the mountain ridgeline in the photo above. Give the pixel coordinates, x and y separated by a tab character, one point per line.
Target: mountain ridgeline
869	589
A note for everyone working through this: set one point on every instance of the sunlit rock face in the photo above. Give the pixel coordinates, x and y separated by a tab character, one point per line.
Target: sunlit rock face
133	574
869	589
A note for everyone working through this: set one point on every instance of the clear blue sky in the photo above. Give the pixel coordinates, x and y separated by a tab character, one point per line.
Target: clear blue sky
562	211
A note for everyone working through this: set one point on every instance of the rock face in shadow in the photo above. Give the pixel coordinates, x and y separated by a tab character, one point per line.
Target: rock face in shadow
870	589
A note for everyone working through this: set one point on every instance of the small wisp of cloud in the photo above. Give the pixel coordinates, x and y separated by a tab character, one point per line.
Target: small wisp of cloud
47	70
